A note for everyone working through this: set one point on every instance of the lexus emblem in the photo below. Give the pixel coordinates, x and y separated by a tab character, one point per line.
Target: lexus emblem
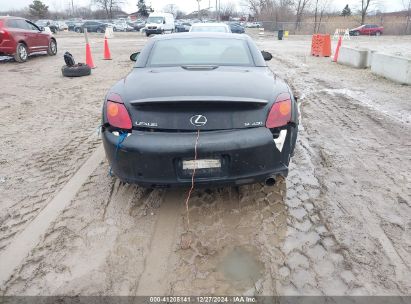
198	120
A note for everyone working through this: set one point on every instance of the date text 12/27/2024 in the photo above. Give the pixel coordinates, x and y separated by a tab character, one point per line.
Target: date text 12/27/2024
203	299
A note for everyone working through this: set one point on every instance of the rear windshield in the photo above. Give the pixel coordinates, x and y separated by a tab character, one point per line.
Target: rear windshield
201	51
215	29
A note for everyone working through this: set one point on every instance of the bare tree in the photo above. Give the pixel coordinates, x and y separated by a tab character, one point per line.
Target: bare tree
109	6
407	7
300	7
171	9
320	7
278	11
365	4
199	9
227	10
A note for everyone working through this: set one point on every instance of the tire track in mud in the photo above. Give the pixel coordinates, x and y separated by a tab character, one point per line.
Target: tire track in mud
156	266
350	202
96	246
356	123
236	233
377	135
28	239
50	173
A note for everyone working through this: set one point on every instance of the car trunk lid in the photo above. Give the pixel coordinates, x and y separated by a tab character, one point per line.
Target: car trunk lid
188	98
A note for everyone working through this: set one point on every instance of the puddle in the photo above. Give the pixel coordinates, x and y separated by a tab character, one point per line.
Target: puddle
240	264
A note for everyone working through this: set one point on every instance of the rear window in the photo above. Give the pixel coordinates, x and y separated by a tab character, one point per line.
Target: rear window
201	51
214	29
18	23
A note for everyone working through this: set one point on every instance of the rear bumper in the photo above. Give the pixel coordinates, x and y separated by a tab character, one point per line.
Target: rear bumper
7	48
154	159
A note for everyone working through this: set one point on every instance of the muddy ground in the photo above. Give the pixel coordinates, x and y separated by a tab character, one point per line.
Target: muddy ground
340	224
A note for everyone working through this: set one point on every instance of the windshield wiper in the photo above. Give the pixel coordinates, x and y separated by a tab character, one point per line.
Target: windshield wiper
199	67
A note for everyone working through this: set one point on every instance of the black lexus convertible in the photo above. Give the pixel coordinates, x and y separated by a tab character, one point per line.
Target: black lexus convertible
202	104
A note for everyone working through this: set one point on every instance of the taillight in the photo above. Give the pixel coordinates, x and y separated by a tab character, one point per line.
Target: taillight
4	35
116	112
280	113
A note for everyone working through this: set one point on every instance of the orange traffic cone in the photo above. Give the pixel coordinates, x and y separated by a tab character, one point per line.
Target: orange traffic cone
89	58
107	55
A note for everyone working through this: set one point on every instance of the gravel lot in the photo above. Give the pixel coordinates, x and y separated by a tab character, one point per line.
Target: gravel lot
340	224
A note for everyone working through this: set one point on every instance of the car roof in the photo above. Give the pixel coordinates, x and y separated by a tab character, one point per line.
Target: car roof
209	24
189	35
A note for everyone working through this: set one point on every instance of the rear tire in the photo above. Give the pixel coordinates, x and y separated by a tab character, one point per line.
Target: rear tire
77	70
21	53
147	34
52	50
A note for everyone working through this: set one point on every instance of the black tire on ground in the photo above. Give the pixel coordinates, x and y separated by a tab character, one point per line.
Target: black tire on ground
21	53
77	70
147	34
52	50
77	30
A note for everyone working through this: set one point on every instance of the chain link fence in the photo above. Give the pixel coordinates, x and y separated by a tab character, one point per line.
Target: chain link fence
391	27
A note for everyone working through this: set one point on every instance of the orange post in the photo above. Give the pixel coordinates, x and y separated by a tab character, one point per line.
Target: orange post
337	50
326	47
89	57
107	54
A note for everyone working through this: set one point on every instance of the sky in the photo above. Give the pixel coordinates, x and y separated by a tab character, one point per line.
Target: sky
186	5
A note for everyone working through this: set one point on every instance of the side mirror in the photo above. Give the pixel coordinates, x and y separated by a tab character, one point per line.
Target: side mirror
267	55
134	56
164	22
41	28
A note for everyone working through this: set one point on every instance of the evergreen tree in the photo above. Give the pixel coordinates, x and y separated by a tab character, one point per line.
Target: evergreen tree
38	9
143	9
346	11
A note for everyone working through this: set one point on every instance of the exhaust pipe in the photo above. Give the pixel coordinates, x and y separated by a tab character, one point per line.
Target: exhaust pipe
270	181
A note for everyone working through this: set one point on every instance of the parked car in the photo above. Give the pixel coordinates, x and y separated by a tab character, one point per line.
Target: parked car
183	27
120	26
367	29
159	23
237	28
243	117
253	25
210	27
137	25
53	25
62	25
20	38
92	26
